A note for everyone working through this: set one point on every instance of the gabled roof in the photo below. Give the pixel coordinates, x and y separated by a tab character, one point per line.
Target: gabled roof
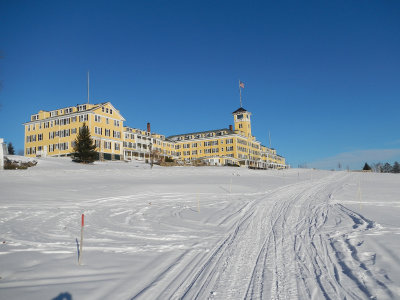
239	110
108	103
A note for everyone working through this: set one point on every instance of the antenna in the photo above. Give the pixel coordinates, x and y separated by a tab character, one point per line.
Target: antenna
88	87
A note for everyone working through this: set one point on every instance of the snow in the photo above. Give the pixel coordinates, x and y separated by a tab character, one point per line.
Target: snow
205	232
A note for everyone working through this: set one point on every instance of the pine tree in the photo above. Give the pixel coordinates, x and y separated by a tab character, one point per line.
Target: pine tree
367	167
396	167
84	148
387	168
11	150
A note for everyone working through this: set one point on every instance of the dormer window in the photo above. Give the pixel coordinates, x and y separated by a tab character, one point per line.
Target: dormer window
81	107
35	117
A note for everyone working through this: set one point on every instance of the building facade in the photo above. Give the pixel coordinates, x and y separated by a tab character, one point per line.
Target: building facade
53	133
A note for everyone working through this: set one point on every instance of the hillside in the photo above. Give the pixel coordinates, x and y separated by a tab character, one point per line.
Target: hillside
206	232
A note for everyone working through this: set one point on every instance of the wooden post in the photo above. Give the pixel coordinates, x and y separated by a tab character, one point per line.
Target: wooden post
81	243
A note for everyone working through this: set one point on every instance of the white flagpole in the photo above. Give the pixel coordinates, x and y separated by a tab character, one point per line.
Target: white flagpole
240	93
88	87
269	134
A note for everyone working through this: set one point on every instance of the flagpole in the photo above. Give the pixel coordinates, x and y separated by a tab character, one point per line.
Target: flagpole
240	93
88	87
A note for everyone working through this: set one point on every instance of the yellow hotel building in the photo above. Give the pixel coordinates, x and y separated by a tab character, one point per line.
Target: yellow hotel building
53	133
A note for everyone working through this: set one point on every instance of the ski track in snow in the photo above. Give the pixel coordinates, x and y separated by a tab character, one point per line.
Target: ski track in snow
289	244
292	240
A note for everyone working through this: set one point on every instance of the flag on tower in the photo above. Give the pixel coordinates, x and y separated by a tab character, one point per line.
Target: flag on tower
241	84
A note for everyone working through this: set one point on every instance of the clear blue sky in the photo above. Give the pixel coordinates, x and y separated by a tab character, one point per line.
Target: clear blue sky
322	76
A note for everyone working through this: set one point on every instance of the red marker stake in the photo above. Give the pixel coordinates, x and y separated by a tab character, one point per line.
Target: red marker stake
81	244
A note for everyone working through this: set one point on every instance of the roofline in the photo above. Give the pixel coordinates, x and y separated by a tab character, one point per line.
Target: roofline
207	131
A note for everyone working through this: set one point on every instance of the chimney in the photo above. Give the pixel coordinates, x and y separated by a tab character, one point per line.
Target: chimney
148	127
230	128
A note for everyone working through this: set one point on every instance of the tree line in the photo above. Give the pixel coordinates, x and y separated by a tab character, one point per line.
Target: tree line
383	167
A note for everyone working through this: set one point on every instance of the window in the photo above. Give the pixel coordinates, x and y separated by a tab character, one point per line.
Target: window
107	121
194	152
239	117
83	118
68	110
186	152
110	111
81	107
73	131
97	143
107	145
117	146
185	146
194	145
117	134
215	150
64	121
207	144
63	146
98	130
97	118
40	137
35	117
214	143
230	148
229	141
207	151
116	123
240	125
107	132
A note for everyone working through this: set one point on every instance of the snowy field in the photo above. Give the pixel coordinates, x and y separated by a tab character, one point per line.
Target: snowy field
197	233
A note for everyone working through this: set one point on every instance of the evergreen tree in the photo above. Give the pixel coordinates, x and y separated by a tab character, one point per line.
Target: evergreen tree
367	167
387	168
84	148
11	150
396	167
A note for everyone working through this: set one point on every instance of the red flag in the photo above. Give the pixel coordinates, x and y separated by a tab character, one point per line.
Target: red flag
241	84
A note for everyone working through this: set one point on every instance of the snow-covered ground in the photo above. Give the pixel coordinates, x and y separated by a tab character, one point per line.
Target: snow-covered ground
197	233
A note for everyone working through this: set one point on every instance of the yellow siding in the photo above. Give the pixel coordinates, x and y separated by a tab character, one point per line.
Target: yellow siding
54	132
